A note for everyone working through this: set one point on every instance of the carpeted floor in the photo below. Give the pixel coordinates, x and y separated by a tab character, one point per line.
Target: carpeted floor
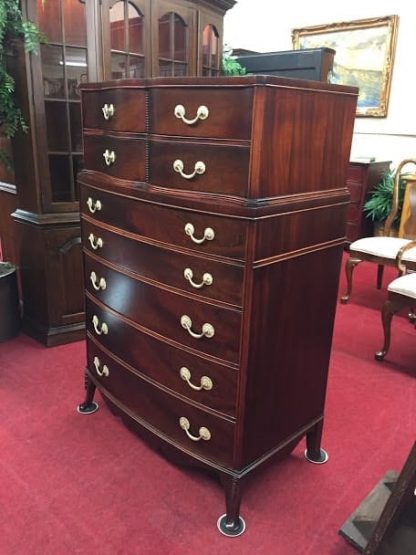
76	484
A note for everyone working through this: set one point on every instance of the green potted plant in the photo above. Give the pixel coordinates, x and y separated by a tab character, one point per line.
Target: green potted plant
12	28
379	203
229	65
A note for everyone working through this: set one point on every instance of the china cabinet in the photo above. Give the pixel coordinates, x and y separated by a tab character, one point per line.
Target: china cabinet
86	40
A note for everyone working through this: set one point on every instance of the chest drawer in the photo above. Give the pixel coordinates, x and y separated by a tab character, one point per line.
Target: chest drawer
167	224
194	377
123	158
161	410
228	112
199	166
115	110
166	313
195	274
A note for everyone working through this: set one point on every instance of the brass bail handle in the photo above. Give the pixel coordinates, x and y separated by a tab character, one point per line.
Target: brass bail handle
209	234
208	330
109	157
204	433
199	169
201	114
108	111
94	206
207	279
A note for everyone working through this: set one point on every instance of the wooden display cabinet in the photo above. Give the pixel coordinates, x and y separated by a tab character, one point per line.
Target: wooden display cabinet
125	38
362	177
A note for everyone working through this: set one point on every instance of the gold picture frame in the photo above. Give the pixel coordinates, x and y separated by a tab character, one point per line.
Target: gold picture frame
364	57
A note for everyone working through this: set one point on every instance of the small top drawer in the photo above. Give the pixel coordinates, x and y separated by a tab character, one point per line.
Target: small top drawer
115	109
206	233
202	112
116	156
199	166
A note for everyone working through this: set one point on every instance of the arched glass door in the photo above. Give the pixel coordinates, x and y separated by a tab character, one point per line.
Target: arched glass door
173	45
210	51
127	48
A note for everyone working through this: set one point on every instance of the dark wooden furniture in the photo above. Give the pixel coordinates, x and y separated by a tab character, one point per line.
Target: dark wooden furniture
395	531
135	38
309	63
199	227
381	249
385	521
361	179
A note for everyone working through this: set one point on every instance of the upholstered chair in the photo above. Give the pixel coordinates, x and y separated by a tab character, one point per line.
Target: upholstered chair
383	250
401	292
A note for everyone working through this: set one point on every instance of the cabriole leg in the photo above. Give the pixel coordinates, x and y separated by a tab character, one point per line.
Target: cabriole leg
313	451
231	524
88	406
390	307
380	272
349	268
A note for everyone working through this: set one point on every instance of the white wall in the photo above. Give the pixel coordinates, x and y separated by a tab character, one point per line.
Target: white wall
266	25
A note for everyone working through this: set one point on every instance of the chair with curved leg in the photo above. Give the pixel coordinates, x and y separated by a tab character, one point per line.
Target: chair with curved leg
401	293
383	250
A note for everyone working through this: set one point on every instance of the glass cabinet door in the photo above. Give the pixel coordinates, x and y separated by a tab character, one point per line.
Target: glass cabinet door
125	38
64	66
173	40
210	48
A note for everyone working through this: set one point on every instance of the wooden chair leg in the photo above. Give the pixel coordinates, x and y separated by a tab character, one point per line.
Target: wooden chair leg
380	271
390	307
349	268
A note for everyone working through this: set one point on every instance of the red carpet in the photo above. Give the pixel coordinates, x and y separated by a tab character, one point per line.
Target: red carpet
77	484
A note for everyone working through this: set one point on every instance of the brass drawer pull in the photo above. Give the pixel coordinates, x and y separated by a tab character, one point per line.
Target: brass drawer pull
208	330
199	169
204	433
206	383
109	157
99	329
108	111
209	234
94	206
95	242
201	114
97	284
207	279
104	372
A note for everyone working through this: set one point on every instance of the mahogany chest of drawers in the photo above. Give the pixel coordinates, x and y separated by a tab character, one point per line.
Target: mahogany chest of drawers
213	217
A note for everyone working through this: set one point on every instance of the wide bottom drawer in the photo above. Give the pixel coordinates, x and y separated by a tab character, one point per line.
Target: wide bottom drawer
202	433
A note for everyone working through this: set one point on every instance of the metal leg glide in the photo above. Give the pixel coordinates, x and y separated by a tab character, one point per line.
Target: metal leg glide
88	406
313	452
231	524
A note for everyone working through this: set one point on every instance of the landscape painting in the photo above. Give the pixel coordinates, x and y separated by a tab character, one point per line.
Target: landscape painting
364	57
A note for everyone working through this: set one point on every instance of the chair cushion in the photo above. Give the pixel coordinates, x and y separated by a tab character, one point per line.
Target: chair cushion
405	285
410	255
385	247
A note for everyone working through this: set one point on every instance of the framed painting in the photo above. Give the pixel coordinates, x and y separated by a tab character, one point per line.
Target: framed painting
364	57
